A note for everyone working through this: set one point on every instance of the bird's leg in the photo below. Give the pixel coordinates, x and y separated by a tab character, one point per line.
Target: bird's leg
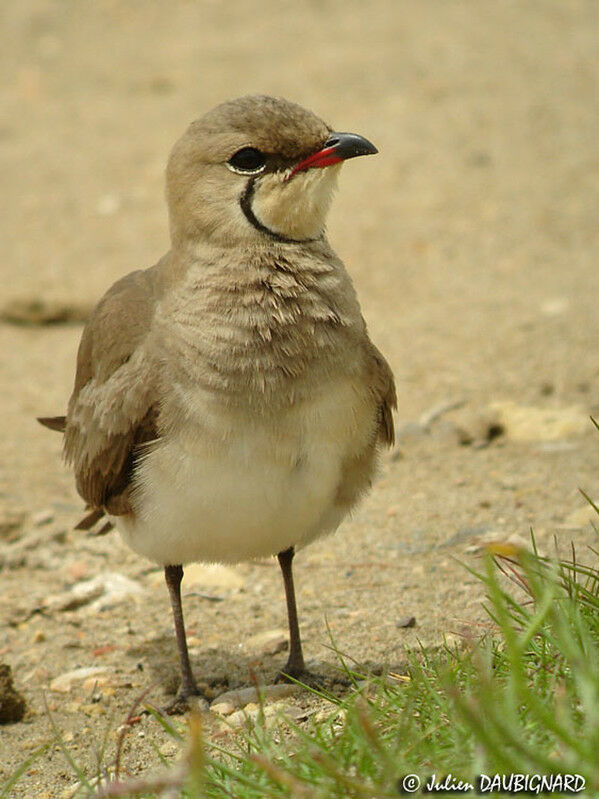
295	666
173	576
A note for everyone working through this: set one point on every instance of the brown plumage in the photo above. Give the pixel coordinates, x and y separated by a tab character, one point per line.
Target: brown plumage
228	402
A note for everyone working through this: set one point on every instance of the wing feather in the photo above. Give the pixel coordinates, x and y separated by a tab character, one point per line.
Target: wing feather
383	386
113	408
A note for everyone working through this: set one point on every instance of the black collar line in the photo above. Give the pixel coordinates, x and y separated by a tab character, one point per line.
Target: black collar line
246	207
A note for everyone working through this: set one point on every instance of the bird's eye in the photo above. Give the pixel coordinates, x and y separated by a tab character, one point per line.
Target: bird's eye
247	161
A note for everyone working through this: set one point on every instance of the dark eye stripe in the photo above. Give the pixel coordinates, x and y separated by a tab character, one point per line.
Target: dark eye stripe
248	160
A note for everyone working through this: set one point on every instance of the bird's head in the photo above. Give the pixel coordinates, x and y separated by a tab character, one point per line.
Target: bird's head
256	168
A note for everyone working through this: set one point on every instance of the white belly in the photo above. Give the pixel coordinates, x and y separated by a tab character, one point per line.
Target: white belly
229	488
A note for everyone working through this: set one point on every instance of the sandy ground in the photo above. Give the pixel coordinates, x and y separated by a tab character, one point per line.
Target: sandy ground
472	239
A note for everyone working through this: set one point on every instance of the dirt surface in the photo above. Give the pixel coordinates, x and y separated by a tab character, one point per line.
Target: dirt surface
473	242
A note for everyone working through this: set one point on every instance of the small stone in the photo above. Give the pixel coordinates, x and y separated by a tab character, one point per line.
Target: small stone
65	682
197	704
294	713
222	708
169	749
527	423
10	523
79	595
39	637
407	621
477	427
12	703
117	588
37	676
244	696
42	517
238	719
78	570
100	593
270	642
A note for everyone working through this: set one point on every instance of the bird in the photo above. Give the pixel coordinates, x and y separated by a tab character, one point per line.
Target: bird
228	402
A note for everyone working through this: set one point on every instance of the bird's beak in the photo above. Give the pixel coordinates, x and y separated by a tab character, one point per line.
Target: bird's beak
338	147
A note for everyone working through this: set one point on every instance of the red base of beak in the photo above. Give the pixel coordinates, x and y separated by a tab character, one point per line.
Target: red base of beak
339	147
326	157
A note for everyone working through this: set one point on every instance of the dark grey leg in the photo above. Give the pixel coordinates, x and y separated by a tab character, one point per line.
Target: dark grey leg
295	666
173	576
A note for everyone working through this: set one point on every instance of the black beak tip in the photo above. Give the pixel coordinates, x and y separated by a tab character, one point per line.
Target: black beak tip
350	145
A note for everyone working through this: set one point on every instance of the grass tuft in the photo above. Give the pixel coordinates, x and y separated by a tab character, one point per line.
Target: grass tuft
524	699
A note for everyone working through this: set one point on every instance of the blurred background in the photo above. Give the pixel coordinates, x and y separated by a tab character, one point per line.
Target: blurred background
485	115
472	237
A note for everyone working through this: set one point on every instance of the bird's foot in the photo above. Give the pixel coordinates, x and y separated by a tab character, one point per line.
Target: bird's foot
183	704
189	698
293	674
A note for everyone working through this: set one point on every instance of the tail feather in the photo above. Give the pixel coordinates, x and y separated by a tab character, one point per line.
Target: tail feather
106	528
88	521
57	423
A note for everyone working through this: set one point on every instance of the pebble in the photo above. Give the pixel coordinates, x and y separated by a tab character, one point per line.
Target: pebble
10	522
198	704
169	749
38	675
269	642
222	708
65	682
271	713
241	717
76	597
100	593
42	517
528	423
244	696
117	587
407	621
31	549
477	427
